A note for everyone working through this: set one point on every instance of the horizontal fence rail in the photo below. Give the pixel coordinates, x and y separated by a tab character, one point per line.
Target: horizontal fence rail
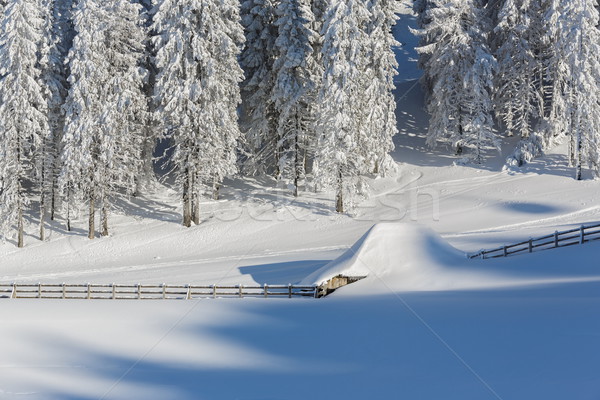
151	292
566	238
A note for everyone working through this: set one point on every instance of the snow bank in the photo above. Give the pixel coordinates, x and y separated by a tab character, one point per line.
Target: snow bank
410	257
402	255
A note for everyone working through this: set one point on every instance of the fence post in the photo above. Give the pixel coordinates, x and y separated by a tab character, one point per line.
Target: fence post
555	238
266	289
64	294
89	291
214	288
39	290
505	252
531	245
164	291
289	290
240	286
482	255
189	295
582	234
14	291
114	291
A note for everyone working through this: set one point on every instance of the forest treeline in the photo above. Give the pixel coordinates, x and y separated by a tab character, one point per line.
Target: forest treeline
298	89
301	90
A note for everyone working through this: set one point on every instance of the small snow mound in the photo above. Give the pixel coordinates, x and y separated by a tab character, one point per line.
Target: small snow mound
405	257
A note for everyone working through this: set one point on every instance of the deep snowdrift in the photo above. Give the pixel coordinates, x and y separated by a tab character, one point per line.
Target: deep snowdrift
410	257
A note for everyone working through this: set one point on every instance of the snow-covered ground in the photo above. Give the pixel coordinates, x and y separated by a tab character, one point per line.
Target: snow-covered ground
425	324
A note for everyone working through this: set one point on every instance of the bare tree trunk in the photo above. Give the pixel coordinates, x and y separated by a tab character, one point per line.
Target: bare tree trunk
104	216
196	207
459	148
195	201
215	189
578	156
91	219
20	226
42	215
53	200
187	206
339	198
297	165
68	209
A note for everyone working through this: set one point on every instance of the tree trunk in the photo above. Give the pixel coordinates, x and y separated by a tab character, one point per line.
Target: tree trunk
339	198
578	156
68	210
297	164
216	187
53	200
187	206
195	201
42	215
196	207
20	226
459	148
104	217
91	219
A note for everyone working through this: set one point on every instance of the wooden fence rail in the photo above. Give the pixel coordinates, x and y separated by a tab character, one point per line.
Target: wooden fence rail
569	237
151	292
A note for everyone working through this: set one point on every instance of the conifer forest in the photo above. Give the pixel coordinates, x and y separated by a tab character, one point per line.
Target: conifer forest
100	98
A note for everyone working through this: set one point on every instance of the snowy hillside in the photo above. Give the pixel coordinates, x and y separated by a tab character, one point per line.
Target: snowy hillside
426	323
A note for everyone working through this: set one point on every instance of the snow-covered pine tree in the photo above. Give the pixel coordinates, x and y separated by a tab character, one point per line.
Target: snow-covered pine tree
338	160
516	95
198	93
578	43
421	9
104	107
23	109
259	116
58	34
540	28
151	130
459	63
297	76
380	122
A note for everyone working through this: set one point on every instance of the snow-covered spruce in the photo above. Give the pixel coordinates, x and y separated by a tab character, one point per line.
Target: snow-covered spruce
460	67
578	45
59	37
23	112
380	122
197	91
516	97
297	78
105	106
338	160
259	115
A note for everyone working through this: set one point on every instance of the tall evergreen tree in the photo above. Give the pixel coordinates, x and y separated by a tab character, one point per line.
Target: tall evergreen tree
23	109
339	160
259	117
578	45
58	37
516	95
380	122
460	67
102	141
197	91
297	78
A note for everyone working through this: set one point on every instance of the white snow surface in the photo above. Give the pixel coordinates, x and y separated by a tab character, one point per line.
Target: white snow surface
426	323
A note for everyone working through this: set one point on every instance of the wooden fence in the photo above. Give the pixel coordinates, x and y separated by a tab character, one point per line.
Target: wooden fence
570	237
151	292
